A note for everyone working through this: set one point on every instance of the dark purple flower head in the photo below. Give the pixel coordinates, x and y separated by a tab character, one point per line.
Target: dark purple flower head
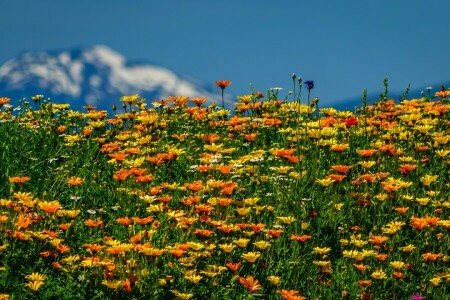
309	84
417	297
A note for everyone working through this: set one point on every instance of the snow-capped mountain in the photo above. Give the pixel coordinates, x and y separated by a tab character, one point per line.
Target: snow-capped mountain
94	75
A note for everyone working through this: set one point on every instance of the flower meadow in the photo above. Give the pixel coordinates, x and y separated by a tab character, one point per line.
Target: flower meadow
176	199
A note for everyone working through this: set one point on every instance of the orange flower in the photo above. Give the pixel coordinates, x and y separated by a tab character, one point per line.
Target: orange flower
299	238
194	186
399	275
223	83
341	168
225	170
250	284
442	94
406	168
177	252
381	257
360	267
378	239
365	283
274	232
142	221
75	181
233	266
19	179
204	168
419	223
366	153
92	223
49	207
144	178
93	247
203	232
199	101
431	256
336	177
339	148
203	208
432	221
124	221
401	210
290	295
4	100
65	226
63	248
257	228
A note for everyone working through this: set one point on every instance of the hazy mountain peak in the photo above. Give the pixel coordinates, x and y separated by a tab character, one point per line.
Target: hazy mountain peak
94	75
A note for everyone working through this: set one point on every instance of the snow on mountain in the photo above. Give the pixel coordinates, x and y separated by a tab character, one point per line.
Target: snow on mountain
94	75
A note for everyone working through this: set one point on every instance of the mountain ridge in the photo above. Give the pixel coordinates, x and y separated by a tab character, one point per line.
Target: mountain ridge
94	75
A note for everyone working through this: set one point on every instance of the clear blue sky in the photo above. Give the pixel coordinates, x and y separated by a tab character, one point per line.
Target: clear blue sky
344	46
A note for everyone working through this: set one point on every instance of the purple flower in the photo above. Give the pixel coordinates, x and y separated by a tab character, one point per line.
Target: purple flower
309	84
417	297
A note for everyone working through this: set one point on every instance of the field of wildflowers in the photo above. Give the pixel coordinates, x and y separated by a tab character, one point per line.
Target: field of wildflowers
279	199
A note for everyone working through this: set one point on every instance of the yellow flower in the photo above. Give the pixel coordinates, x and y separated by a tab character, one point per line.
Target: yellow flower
338	206
322	251
182	296
397	264
274	279
243	211
428	179
344	242
423	201
350	253
112	284
367	164
408	248
196	246
442	153
435	281
193	278
241	242
228	247
262	244
34	285
251	257
322	263
325	182
286	220
378	274
36	277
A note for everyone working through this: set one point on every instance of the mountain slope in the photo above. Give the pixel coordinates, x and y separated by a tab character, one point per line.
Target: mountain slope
93	75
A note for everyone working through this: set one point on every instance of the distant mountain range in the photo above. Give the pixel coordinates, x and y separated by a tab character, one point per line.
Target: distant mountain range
94	75
99	76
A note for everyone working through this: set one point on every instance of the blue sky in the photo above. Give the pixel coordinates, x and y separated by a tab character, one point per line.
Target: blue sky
344	46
